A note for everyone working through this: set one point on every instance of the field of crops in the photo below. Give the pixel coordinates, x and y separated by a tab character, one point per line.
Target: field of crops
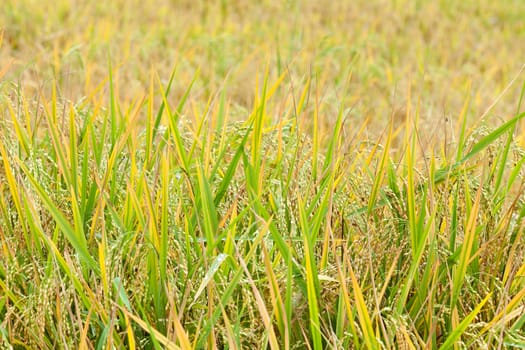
269	174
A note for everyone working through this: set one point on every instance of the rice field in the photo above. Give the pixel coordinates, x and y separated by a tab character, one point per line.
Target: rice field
265	175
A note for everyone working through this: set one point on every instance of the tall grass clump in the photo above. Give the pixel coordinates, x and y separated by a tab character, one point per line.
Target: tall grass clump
152	223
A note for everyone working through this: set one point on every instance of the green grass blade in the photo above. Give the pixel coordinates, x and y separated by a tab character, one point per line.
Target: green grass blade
74	235
312	280
455	335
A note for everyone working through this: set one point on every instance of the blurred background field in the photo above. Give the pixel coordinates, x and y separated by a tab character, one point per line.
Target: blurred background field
441	50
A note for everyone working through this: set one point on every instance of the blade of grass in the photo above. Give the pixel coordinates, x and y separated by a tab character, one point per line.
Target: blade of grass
207	210
232	285
274	344
214	267
73	234
463	325
459	273
276	298
380	173
362	311
168	344
312	278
